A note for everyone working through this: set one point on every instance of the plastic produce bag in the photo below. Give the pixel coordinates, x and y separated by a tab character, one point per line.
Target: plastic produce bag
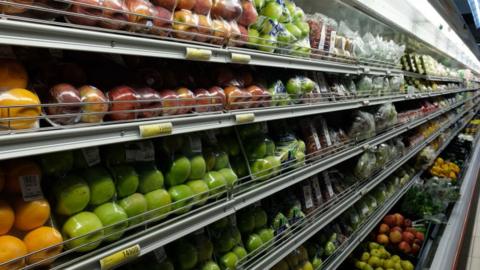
365	86
366	165
385	117
362	127
279	94
382	154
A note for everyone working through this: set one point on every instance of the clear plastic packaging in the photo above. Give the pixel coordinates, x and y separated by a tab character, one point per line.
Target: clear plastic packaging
363	126
111	14
366	165
19	97
124	105
94	104
365	86
385	117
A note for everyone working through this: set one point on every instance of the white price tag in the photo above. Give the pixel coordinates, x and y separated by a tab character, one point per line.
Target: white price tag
31	189
91	156
316	189
195	144
307	195
328	183
139	151
325	131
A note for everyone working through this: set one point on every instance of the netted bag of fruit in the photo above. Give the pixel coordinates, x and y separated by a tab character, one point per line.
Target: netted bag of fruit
28	233
19	107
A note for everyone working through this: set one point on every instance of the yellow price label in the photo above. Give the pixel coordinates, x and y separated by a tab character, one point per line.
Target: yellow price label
153	130
120	257
241	58
198	54
244	118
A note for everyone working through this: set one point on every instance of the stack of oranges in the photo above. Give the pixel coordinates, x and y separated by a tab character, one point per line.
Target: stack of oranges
24	226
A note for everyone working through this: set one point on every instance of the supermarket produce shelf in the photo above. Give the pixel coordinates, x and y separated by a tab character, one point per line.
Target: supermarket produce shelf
162	234
357	238
448	250
314	226
431	78
35	33
17	145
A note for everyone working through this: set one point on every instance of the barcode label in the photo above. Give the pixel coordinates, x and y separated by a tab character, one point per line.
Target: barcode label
160	254
307	195
139	151
30	185
91	156
195	144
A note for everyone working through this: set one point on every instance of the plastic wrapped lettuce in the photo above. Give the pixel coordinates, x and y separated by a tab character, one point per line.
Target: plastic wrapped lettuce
382	154
366	165
385	117
362	127
377	86
365	86
380	193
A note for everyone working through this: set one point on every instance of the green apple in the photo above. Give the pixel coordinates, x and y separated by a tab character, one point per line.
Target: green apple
272	10
83	224
114	154
285	38
301	146
109	214
229	144
300	159
210	160
267	43
182	197
298	14
220	224
259	4
100	183
215	181
230	176
253	35
256	149
72	195
276	164
240	252
260	217
270	151
221	161
58	163
303	26
200	191
134	205
290	6
179	171
294	86
246	221
294	30
261	169
253	242
286	16
266	234
186	255
204	247
307	85
317	262
198	167
126	180
210	265
229	261
225	242
158	199
235	234
165	265
149	177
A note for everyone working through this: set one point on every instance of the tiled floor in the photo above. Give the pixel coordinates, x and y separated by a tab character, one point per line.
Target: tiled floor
474	256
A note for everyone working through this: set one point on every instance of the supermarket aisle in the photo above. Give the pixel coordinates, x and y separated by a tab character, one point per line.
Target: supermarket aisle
474	253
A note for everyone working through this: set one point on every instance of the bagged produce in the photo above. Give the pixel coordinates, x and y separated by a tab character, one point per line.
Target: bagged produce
365	86
385	117
366	165
362	127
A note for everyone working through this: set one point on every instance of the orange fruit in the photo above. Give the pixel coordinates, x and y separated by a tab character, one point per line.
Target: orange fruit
24	104
41	238
31	215
16	169
7	216
11	248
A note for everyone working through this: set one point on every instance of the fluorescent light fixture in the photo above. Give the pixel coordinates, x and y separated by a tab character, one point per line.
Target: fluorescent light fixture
475	8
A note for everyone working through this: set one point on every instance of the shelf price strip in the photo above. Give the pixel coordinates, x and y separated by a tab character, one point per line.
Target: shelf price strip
120	257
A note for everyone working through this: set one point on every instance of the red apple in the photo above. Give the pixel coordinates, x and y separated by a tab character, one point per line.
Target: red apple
417	241
382	239
399	219
162	21
395	236
267	97
143	11
221	30
98	106
226	9
169	100
168	4
123	98
237	98
384	228
411	229
85	7
397	228
219	99
243	38
115	10
407	222
420	236
64	93
415	249
408	237
204	28
202	7
249	14
186	4
257	95
184	24
186	100
405	247
389	220
150	102
203	100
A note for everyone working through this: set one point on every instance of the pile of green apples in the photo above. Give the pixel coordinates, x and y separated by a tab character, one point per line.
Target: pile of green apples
288	93
227	243
252	223
281	25
379	258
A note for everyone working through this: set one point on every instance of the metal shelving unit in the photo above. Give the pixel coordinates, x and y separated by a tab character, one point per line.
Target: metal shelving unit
164	233
431	78
46	141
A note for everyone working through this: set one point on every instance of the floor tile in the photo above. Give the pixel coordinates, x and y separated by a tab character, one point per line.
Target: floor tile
475	248
475	264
